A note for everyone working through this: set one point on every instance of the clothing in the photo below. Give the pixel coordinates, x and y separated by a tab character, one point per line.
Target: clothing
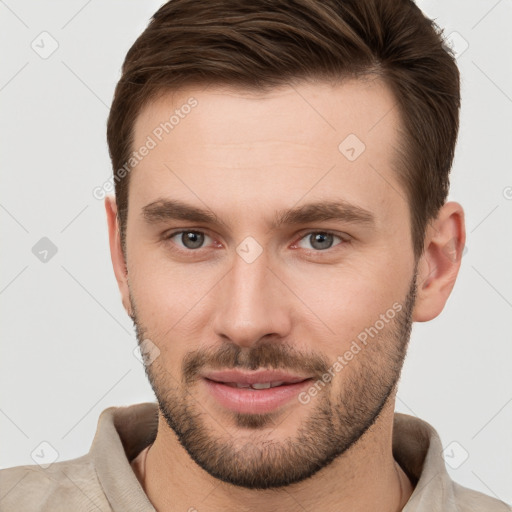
104	479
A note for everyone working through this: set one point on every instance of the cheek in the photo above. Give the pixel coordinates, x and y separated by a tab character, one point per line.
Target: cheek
171	304
161	286
341	303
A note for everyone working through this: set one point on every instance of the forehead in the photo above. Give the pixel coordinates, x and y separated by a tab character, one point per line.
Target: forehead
228	147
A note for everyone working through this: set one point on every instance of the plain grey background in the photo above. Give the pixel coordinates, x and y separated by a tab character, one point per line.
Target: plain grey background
66	342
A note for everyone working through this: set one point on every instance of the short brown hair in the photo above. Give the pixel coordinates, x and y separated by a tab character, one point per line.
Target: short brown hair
260	44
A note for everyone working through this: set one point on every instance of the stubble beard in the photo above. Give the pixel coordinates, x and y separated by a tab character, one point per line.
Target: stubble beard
256	460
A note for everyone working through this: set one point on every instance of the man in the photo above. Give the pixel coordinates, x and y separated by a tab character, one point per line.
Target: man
280	220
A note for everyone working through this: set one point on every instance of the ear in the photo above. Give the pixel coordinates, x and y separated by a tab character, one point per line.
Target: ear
116	252
439	265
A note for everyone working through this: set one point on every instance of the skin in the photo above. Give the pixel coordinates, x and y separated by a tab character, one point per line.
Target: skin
244	155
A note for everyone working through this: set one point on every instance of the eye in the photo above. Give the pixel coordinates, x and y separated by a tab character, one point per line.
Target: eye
189	239
319	240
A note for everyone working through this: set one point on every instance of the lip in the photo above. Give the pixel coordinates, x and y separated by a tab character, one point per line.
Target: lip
255	401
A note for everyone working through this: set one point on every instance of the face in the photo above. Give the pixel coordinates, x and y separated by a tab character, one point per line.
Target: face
267	232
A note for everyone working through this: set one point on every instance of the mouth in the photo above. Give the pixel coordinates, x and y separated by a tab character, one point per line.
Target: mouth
261	379
257	385
255	392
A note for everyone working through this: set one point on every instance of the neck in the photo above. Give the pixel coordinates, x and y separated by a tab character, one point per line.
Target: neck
365	478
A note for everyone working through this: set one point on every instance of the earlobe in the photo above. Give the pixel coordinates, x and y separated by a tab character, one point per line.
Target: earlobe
116	253
439	265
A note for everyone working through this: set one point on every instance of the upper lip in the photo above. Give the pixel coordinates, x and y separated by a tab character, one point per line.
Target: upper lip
261	376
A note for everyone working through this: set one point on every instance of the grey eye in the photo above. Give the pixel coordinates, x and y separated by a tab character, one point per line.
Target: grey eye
191	239
319	240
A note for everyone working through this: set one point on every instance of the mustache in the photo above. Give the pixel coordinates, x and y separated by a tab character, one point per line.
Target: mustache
275	355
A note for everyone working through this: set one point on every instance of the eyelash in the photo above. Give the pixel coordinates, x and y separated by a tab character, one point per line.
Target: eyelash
344	240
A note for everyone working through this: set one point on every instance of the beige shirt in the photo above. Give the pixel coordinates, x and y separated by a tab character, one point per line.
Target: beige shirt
106	479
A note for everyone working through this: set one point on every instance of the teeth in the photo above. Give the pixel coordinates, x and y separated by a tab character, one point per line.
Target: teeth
261	385
258	385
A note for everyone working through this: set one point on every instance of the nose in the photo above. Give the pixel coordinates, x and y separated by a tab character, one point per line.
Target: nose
251	304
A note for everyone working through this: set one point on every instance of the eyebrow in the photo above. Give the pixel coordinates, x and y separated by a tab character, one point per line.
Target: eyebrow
163	210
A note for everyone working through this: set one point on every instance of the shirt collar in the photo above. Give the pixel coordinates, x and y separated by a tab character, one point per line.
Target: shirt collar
125	431
121	434
418	449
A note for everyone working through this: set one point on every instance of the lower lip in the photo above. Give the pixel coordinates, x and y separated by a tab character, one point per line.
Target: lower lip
254	401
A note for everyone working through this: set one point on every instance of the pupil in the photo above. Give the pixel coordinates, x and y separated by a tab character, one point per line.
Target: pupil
192	240
321	240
